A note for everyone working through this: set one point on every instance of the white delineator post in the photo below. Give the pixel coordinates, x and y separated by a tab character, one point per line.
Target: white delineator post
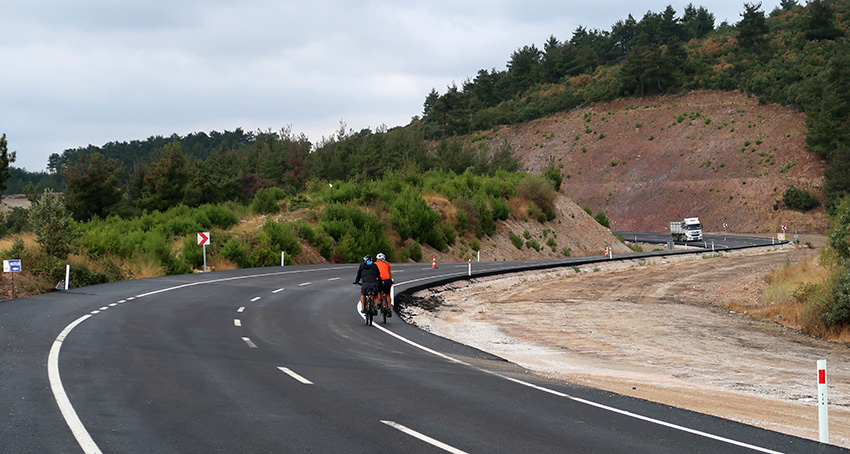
282	255
823	418
469	271
67	275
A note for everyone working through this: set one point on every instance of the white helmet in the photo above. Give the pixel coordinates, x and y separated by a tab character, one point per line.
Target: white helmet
381	257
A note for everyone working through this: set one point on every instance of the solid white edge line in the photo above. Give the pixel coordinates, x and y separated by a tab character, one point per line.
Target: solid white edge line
80	433
580	400
249	342
423	437
292	374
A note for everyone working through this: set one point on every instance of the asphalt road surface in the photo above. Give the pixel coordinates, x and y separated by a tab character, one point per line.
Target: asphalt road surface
280	360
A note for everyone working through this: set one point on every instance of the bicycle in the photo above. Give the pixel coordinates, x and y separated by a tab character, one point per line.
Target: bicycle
384	312
371	310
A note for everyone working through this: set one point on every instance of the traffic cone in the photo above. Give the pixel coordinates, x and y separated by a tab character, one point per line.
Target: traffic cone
434	262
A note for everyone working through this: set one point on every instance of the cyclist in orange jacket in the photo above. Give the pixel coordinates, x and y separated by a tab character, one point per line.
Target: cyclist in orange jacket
386	282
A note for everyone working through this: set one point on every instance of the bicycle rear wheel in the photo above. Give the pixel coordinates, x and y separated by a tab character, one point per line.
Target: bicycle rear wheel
370	305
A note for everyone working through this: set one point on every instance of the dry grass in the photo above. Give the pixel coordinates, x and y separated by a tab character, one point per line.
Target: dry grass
145	267
217	263
791	296
519	207
7	242
442	204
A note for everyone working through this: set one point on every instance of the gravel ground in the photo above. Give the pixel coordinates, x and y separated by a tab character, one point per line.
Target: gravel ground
656	331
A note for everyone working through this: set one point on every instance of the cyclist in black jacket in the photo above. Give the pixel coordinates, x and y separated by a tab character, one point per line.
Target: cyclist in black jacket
371	276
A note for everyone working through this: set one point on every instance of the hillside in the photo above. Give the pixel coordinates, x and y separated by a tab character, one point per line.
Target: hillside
644	162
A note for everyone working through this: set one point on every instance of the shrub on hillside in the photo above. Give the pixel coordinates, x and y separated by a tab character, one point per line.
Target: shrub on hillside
602	219
800	199
267	200
538	190
235	251
515	239
412	217
219	216
356	233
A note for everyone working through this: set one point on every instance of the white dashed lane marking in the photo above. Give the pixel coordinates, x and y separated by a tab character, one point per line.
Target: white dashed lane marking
249	342
241	309
423	437
292	374
255	298
278	290
237	322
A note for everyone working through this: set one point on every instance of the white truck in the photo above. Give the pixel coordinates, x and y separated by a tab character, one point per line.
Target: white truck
689	229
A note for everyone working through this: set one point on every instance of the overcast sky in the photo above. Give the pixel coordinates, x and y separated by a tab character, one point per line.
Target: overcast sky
80	72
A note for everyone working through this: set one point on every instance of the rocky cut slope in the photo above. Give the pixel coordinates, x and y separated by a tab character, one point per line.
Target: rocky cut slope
644	162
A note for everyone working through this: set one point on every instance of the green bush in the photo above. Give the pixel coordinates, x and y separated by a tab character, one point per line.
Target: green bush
515	239
800	199
602	219
414	252
500	209
839	312
219	216
413	218
539	190
298	201
235	251
192	253
449	232
266	200
533	244
281	236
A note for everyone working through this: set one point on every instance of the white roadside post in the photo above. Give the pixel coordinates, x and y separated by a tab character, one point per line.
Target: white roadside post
67	275
282	257
203	240
823	418
469	270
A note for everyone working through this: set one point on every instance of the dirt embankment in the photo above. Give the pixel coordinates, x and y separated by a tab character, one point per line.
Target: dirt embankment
613	328
717	155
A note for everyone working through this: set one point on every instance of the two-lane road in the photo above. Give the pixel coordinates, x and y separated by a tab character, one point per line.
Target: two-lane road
279	360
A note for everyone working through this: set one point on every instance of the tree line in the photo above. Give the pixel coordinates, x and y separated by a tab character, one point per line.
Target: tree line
795	56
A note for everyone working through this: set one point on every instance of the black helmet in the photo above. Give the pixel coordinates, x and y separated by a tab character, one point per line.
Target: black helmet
367	258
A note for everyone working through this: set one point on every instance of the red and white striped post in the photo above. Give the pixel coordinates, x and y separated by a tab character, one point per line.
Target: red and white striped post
823	418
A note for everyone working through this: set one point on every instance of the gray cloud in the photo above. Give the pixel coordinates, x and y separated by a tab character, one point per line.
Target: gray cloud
93	71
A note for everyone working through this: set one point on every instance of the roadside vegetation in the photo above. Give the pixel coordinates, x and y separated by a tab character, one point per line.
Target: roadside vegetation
131	209
337	221
813	295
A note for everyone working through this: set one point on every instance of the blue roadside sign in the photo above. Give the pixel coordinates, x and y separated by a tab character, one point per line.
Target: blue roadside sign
12	266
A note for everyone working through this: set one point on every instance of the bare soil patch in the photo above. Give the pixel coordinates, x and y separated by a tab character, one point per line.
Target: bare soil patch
658	331
720	156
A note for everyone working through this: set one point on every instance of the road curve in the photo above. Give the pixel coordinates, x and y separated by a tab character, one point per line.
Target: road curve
279	360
